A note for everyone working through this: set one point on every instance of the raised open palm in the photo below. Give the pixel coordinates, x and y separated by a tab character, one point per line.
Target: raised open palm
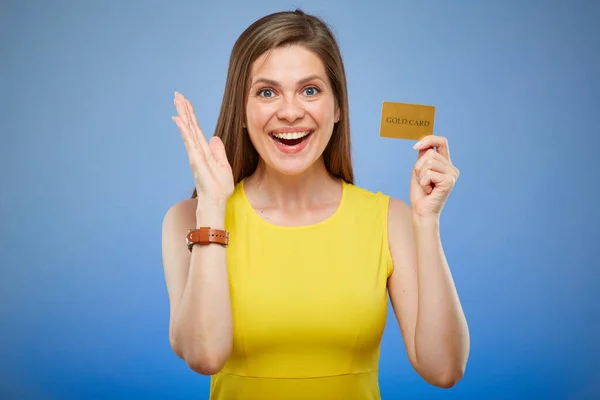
210	168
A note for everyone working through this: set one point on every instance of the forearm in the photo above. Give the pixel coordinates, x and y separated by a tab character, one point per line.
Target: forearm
202	328
441	334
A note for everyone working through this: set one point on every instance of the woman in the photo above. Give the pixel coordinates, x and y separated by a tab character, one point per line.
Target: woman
294	306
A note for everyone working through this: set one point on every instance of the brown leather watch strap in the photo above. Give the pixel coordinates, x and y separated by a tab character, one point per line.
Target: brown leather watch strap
206	235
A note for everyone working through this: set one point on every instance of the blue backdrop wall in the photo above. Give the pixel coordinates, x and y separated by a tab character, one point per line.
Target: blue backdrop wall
90	161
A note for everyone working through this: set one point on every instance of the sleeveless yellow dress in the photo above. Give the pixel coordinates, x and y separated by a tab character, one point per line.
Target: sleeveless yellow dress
309	303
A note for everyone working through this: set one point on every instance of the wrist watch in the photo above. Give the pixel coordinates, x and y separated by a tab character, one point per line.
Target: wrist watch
206	235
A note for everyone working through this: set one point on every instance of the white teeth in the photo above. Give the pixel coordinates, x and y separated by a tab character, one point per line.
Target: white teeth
291	135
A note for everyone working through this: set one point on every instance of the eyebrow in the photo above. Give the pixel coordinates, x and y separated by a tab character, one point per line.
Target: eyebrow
275	83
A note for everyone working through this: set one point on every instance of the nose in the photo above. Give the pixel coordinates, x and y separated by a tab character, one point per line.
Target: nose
291	109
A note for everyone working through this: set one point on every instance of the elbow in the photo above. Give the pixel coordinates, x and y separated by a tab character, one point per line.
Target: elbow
205	365
198	360
447	379
175	346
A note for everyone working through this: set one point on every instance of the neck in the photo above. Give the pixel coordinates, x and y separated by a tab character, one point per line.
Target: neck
314	186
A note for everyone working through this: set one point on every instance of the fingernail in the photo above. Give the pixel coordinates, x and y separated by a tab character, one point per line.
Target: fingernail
417	145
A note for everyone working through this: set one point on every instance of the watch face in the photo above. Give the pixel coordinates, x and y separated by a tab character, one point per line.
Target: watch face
187	240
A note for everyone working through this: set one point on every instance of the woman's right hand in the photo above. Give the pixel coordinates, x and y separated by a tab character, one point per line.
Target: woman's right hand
211	169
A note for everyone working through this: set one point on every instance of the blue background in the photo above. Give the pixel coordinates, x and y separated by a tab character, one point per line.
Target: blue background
90	161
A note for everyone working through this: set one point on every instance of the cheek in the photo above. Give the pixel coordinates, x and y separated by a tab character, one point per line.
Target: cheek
322	110
324	116
258	115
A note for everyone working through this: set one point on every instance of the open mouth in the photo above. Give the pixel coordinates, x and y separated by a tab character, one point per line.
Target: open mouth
291	138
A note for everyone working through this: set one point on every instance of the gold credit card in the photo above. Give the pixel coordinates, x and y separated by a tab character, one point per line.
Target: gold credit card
406	121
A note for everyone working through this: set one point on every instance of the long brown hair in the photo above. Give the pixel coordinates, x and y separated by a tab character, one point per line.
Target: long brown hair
267	33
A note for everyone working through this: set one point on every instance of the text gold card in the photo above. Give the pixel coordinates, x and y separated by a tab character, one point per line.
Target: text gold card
406	121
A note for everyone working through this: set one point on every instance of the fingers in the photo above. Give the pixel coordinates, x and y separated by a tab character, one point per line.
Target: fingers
190	143
430	159
434	166
431	141
196	127
178	100
429	179
434	169
188	122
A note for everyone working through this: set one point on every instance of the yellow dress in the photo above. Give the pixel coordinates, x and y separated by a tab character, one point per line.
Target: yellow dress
309	303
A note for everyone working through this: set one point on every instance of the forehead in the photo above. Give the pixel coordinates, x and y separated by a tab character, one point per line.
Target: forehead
289	63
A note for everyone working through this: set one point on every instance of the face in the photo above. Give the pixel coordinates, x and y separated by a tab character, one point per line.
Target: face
291	109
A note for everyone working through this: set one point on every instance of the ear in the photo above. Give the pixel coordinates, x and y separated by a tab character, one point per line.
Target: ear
336	118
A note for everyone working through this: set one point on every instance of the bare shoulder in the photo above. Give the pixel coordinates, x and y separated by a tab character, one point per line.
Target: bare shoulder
399	219
183	206
183	211
399	207
176	222
401	242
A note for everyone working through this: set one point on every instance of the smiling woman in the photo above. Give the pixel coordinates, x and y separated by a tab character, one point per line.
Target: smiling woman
292	112
278	268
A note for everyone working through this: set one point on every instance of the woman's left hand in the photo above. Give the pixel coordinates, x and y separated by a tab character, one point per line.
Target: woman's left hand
433	177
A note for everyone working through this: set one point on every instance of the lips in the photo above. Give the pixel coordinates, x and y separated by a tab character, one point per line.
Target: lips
291	141
291	138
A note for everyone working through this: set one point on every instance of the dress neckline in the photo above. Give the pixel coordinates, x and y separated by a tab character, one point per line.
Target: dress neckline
323	222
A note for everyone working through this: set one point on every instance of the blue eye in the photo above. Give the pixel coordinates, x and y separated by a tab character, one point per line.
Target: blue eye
262	91
313	89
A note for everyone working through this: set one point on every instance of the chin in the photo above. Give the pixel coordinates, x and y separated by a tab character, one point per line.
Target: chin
291	168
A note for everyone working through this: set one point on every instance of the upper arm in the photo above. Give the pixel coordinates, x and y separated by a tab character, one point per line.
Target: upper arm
403	283
175	254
